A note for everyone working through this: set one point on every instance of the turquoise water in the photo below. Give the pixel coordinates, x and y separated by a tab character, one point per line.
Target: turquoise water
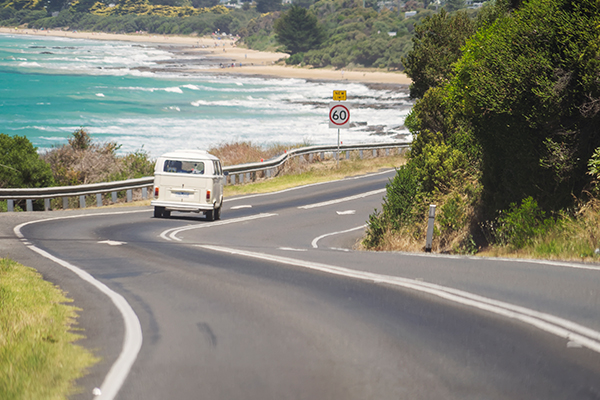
131	94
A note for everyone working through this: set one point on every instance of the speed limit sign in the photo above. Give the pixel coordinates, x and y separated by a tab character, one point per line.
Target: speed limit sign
339	116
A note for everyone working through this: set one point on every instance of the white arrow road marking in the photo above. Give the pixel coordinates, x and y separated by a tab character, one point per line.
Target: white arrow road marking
171	234
554	325
316	240
347	212
336	201
132	342
240	207
112	242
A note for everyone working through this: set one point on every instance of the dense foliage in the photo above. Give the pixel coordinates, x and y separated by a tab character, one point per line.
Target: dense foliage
436	46
506	138
298	30
20	165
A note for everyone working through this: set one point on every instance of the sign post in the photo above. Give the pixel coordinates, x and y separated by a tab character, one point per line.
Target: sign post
339	116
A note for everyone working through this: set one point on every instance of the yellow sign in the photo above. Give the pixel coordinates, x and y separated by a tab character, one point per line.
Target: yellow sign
339	95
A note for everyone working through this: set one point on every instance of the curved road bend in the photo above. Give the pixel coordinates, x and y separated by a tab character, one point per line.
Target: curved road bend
266	304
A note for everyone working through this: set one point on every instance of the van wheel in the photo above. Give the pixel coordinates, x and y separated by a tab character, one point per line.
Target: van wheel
158	212
217	213
166	213
210	215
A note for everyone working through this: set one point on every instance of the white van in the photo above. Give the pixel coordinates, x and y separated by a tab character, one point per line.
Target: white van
188	181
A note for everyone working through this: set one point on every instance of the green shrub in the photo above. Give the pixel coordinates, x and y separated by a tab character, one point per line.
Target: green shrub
520	224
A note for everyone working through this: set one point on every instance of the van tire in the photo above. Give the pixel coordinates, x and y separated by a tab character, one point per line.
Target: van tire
217	213
158	212
210	215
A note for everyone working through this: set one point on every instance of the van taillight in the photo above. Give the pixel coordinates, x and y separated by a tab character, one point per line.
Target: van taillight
208	195
156	193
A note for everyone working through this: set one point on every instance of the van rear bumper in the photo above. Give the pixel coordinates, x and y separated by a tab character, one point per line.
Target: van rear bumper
190	207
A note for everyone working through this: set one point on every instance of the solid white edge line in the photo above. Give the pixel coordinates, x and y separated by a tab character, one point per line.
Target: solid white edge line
549	323
343	199
132	342
171	234
316	240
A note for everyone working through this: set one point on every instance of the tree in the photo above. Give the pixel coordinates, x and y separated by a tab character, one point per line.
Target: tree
529	85
20	165
265	6
436	46
298	30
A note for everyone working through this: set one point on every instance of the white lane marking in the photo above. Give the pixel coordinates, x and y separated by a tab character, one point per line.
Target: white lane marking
557	326
132	342
336	201
291	249
251	196
347	212
315	241
112	242
240	207
564	264
171	234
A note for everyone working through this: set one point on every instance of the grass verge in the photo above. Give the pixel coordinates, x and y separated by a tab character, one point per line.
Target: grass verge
38	359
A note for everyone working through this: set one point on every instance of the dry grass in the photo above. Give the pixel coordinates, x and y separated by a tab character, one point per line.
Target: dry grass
236	153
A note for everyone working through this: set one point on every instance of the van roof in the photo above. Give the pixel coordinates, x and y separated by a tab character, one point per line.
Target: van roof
189	155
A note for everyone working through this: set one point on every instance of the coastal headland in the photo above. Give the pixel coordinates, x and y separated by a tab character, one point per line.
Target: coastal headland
221	55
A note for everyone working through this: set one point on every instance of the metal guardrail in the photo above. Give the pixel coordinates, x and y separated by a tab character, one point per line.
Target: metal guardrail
268	166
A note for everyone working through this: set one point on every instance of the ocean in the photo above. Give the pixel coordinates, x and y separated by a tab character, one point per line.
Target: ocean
142	97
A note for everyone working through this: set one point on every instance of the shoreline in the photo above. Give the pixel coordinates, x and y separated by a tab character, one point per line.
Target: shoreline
226	53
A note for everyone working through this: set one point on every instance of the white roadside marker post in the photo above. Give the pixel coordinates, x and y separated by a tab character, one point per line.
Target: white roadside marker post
430	228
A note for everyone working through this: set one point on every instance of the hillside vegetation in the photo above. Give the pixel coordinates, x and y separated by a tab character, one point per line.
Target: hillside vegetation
507	134
337	33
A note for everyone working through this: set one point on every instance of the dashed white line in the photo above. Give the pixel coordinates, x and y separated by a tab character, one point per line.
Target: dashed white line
574	333
343	199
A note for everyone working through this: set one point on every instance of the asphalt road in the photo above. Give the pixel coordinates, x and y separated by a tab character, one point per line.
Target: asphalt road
272	303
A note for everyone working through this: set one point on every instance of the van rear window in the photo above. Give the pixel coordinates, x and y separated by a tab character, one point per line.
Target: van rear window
184	167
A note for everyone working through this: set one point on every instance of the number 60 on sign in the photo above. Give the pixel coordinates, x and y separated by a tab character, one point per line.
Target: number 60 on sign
339	116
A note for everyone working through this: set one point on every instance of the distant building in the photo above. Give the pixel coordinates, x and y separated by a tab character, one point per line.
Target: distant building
409	14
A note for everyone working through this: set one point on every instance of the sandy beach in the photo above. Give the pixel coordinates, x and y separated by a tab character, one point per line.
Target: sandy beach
229	58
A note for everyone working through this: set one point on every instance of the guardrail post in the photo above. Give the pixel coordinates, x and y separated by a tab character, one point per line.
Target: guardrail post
310	157
29	205
248	177
429	239
65	201
81	201
360	154
144	193
268	173
374	152
129	195
232	179
387	152
46	204
113	196
98	199
322	156
10	205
